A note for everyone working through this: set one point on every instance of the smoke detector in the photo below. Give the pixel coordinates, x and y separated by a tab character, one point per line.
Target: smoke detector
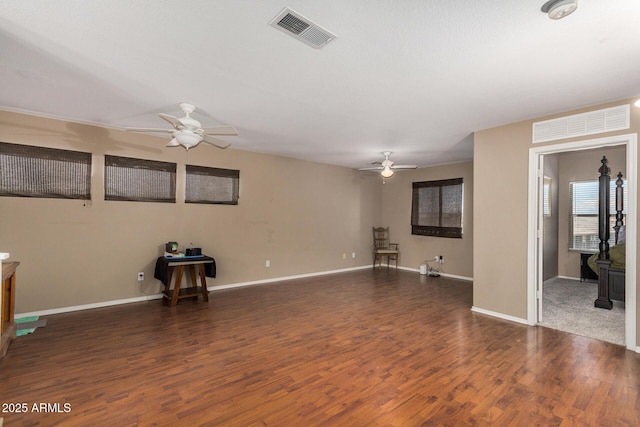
558	9
301	28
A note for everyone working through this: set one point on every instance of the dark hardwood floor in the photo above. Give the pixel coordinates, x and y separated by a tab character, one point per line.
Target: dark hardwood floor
384	348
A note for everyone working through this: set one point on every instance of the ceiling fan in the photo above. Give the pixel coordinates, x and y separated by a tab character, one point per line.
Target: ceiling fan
187	131
387	167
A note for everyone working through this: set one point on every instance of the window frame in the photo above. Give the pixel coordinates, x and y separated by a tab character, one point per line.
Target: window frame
436	230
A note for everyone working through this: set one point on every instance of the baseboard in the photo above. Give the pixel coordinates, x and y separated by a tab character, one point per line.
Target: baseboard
451	276
280	279
88	306
567	277
499	315
159	296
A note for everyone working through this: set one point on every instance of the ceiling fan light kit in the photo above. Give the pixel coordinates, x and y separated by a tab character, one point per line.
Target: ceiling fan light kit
558	9
387	168
188	132
186	138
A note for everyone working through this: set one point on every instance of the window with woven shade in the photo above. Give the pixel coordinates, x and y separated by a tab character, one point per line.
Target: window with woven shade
212	185
30	171
139	180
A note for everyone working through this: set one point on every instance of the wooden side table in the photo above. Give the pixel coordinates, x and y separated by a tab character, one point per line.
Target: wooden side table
167	268
8	326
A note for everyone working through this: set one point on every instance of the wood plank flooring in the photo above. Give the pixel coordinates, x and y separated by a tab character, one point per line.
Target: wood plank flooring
364	348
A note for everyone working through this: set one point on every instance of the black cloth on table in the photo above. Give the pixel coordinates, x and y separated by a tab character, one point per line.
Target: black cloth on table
162	267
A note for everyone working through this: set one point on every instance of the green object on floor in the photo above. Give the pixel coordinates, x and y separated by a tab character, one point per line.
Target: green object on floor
28	325
27	319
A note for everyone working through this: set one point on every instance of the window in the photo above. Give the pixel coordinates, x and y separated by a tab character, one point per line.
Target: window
546	204
212	185
437	208
28	171
139	180
583	219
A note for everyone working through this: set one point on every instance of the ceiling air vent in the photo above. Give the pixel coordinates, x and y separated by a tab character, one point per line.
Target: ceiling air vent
301	28
606	120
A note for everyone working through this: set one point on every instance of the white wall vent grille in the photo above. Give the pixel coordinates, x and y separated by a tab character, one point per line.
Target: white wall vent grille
301	28
599	121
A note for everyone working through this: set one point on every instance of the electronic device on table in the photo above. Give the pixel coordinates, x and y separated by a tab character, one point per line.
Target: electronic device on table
171	251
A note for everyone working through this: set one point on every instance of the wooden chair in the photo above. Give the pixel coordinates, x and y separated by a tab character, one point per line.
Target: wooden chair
382	248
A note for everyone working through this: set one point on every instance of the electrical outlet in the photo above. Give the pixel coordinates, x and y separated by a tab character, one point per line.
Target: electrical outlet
441	259
140	276
267	264
353	254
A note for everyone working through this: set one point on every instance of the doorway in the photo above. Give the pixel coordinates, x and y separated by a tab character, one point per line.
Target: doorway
535	221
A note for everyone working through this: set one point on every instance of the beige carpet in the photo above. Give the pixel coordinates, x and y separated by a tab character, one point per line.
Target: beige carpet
567	305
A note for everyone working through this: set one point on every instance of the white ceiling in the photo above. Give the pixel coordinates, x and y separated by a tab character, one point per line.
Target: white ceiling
415	77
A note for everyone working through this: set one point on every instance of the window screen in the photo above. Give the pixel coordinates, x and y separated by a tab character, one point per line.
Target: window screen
28	171
139	180
212	185
583	218
437	208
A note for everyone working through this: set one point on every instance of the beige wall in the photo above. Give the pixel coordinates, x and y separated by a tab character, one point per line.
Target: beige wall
414	250
302	216
500	212
580	166
500	160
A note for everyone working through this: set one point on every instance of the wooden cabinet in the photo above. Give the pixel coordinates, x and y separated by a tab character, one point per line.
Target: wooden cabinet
8	326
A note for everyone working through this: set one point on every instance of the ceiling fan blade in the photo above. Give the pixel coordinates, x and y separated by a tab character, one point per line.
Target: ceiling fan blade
221	130
150	130
404	167
175	122
173	143
215	141
379	168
